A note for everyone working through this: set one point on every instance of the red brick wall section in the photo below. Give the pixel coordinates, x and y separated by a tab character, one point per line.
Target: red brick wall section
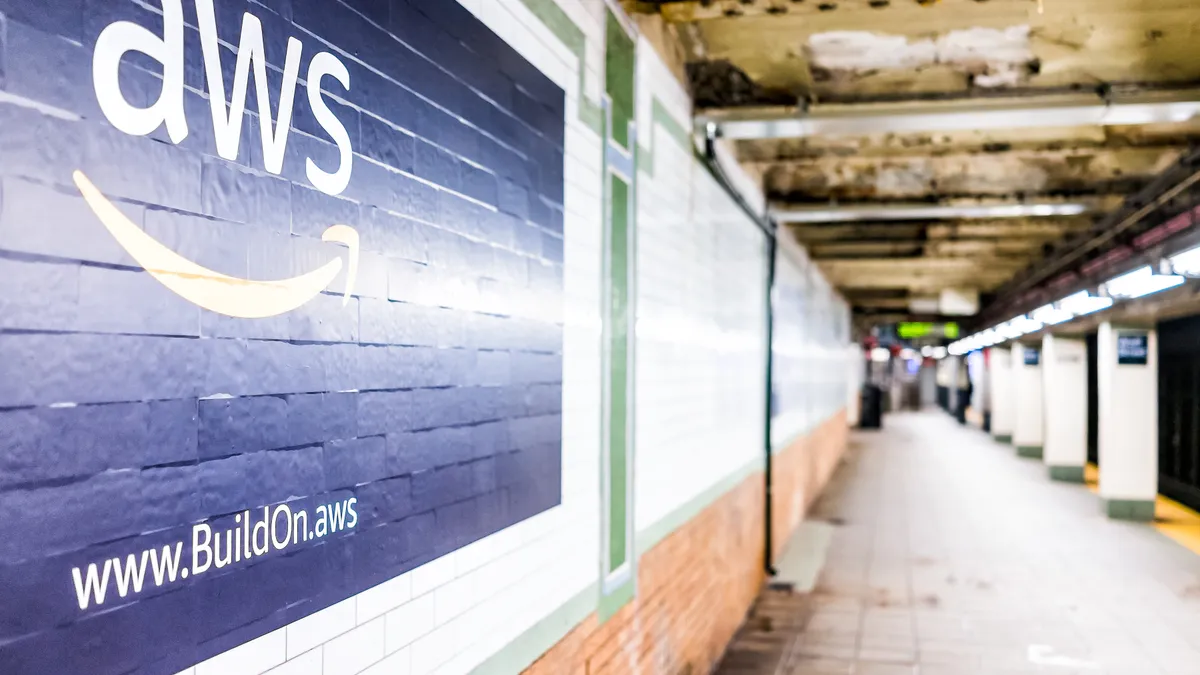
695	586
800	472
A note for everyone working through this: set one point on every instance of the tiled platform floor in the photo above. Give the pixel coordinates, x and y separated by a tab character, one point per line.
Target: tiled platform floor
954	556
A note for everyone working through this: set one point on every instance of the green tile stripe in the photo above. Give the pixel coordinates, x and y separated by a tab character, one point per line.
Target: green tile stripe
573	38
610	604
1140	510
526	648
620	70
677	518
1003	438
556	20
1030	451
661	119
519	654
1067	474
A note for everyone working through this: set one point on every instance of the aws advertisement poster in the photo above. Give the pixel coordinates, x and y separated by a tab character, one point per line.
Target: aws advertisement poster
280	313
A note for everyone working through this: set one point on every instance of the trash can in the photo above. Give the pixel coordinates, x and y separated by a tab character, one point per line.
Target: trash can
872	407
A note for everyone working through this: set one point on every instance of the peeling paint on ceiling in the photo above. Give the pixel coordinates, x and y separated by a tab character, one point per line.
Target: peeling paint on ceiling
993	57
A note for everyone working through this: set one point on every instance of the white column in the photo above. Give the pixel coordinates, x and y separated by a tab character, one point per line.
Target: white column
856	365
1027	397
1002	399
1064	380
1127	362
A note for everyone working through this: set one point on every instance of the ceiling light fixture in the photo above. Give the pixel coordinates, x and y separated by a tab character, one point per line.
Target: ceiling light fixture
1186	263
1051	315
1084	303
842	214
1139	283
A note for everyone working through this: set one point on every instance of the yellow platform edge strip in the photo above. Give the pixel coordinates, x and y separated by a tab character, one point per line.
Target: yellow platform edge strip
1172	519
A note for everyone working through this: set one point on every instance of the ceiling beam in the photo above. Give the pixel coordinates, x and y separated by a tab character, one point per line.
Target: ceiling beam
683	11
880	303
924	274
995	174
992	248
957	114
1038	229
882	146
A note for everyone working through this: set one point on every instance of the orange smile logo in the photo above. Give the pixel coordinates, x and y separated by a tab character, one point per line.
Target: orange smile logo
216	292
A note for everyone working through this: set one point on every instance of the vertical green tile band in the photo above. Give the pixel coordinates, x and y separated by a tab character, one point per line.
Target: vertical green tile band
618	430
619	55
619	565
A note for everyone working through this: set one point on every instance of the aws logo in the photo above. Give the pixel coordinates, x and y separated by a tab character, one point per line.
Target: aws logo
207	288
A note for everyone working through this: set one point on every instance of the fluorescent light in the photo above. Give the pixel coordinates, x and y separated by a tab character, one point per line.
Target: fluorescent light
839	214
880	354
939	352
1026	325
1008	331
1186	263
926	351
1050	315
1082	303
1141	282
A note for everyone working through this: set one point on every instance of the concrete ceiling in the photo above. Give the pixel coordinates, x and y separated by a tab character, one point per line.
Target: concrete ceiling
786	57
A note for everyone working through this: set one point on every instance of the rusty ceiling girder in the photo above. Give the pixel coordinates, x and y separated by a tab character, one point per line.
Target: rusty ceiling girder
854	50
1080	262
1040	229
925	274
1015	250
1029	173
881	146
681	11
1002	117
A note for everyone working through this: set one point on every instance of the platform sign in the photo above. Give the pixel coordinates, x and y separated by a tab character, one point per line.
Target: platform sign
1033	356
1133	349
263	346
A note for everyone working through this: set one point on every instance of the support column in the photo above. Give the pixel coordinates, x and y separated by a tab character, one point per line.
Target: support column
1027	396
1127	364
1064	380
1002	399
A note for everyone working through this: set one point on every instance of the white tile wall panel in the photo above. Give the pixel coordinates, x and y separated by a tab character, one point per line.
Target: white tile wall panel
308	663
251	658
352	652
408	622
399	663
383	598
320	627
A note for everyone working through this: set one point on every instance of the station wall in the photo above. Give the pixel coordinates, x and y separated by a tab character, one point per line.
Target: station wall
440	367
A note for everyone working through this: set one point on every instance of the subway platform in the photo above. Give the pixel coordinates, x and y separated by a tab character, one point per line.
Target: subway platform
950	555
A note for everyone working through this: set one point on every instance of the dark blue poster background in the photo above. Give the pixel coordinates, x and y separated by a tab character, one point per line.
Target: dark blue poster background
404	419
